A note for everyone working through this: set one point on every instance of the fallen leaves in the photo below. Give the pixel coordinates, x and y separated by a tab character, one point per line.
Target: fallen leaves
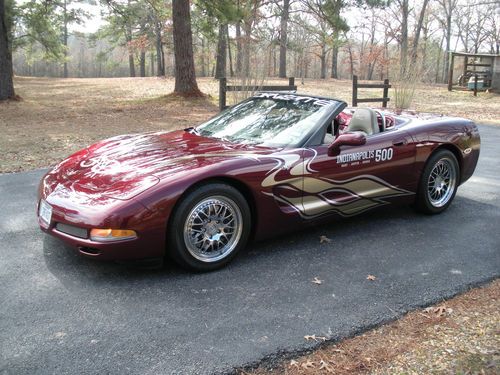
317	281
371	278
311	365
325	366
314	338
324	239
438	311
308	365
422	341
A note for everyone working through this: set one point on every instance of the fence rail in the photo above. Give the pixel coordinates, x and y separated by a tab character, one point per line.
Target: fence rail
355	86
224	88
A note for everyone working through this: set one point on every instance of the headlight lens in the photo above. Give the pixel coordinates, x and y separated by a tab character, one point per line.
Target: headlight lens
106	235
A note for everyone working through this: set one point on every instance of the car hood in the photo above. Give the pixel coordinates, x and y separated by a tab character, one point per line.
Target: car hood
124	166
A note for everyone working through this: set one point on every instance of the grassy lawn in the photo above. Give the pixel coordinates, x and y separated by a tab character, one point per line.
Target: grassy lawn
59	116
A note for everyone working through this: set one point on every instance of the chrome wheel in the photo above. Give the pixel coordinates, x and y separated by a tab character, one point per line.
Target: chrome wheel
213	228
442	182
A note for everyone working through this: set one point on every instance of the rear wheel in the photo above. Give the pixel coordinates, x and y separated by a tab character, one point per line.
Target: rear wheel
208	228
438	183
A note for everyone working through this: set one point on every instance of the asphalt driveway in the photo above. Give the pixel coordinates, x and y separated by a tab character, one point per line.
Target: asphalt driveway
61	313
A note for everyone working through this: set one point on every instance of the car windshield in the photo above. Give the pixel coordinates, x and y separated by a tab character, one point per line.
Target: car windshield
270	120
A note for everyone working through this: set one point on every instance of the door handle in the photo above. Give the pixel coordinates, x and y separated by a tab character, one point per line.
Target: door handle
400	142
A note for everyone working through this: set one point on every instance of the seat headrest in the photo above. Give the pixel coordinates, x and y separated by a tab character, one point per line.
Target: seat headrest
364	120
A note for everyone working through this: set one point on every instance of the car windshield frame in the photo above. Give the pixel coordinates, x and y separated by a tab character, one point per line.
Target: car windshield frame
300	117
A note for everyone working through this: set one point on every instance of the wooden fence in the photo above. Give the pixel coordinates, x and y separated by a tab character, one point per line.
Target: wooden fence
355	86
224	88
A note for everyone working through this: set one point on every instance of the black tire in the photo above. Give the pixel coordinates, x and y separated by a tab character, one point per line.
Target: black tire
436	193
186	227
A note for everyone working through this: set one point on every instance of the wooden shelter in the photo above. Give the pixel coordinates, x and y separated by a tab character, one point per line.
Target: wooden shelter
485	67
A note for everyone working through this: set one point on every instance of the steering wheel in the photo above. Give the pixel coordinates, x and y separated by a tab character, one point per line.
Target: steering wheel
382	116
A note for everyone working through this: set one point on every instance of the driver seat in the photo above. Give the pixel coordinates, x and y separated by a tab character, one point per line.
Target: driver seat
364	120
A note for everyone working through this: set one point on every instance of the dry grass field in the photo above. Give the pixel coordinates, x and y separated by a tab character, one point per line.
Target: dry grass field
59	116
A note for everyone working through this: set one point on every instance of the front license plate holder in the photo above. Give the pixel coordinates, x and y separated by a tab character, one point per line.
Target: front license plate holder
45	212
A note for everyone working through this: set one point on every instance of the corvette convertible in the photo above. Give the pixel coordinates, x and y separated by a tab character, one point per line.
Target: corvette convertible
271	164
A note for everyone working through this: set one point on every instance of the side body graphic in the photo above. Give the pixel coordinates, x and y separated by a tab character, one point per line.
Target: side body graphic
313	197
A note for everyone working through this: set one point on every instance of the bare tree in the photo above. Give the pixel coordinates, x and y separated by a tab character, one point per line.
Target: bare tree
285	14
448	8
418	29
404	7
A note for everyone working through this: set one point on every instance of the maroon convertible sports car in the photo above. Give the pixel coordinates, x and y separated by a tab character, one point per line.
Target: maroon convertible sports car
268	165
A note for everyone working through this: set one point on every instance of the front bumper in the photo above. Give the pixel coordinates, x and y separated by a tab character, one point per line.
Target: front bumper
150	243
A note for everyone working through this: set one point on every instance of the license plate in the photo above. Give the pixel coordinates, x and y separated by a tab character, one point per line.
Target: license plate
45	212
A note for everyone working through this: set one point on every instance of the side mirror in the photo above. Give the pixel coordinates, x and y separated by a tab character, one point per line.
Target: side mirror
346	139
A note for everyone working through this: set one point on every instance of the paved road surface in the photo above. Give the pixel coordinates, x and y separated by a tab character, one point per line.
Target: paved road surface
60	313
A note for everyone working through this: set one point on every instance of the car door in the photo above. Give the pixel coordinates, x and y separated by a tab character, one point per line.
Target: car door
360	177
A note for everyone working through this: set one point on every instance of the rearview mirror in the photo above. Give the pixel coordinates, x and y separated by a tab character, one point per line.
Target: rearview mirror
346	139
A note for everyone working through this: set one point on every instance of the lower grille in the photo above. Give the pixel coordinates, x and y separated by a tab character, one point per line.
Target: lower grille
72	230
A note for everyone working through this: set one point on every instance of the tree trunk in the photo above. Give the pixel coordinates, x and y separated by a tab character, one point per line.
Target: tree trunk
404	36
417	33
131	64
81	60
152	63
438	63
302	66
424	49
335	58
284	37
247	28
6	71
142	63
220	64
239	48
446	61
448	7
65	38
351	59
275	62
323	62
202	58
231	71
269	63
128	38
160	60
185	79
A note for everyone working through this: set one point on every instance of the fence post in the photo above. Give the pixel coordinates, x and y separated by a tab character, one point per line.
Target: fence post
386	93
354	90
222	93
291	81
475	84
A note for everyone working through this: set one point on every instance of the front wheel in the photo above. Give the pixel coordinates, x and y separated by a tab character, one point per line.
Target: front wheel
438	183
208	228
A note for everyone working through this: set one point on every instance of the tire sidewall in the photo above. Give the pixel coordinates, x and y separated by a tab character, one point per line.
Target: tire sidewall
176	247
423	203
